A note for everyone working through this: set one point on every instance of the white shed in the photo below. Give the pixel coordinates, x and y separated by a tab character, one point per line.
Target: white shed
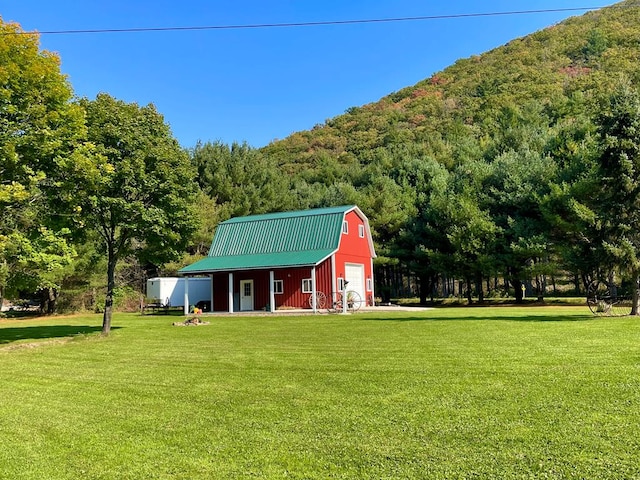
170	290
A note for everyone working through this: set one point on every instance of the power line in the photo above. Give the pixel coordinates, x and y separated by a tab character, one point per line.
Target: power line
309	24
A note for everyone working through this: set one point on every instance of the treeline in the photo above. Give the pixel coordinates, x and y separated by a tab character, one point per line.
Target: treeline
533	204
484	175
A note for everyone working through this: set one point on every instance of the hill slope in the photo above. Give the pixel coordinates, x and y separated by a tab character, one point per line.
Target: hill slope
576	58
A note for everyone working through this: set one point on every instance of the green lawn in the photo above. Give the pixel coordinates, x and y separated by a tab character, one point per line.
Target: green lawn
450	393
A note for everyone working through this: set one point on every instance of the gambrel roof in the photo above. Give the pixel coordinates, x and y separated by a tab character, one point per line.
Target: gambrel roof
276	240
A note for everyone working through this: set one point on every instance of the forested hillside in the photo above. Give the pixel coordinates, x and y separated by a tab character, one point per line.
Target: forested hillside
478	97
462	175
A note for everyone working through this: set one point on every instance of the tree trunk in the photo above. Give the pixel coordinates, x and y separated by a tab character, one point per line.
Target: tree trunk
423	287
540	287
517	286
469	292
48	297
480	288
576	283
636	297
586	282
434	285
53	298
111	284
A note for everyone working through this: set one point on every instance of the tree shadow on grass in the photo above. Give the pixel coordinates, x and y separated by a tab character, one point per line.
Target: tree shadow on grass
40	332
493	318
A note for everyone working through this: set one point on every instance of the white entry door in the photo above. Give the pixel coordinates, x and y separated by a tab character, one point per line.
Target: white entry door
246	295
354	274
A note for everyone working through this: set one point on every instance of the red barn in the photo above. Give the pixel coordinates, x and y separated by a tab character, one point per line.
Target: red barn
288	260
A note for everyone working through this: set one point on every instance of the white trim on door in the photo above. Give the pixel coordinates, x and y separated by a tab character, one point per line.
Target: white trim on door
354	274
246	295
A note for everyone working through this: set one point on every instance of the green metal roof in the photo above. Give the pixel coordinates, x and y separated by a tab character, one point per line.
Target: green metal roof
274	240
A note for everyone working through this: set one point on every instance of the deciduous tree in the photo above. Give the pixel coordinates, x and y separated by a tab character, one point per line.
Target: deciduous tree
39	128
136	186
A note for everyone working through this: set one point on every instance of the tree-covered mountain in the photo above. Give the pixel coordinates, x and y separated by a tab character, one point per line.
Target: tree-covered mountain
546	73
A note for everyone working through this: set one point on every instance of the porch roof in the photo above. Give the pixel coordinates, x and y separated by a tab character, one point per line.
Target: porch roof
257	261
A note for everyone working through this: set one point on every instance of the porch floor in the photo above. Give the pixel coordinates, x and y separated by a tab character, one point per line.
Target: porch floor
308	311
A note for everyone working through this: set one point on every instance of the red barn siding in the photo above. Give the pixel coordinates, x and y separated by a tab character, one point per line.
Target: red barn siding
220	292
292	287
355	250
324	277
351	243
292	295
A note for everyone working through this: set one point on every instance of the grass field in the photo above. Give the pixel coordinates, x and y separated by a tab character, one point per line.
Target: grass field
536	392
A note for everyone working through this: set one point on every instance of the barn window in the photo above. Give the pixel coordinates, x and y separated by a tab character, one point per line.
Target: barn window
345	227
307	285
361	231
278	286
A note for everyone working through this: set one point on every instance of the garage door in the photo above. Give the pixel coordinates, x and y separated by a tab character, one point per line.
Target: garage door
354	274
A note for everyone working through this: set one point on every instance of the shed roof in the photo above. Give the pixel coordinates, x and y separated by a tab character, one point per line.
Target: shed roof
274	240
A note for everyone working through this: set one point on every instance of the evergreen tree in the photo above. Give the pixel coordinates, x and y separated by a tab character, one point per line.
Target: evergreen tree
618	202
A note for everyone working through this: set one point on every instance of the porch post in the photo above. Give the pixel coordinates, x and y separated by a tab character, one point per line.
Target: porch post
230	292
313	289
186	295
334	282
272	296
344	296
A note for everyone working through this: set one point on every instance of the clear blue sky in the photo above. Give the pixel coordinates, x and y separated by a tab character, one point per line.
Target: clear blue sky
256	85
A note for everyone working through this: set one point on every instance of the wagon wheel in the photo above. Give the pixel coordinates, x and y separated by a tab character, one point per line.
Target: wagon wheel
606	301
354	301
321	300
622	306
598	296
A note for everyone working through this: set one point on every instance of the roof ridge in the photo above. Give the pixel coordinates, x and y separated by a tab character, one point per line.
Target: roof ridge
291	214
275	252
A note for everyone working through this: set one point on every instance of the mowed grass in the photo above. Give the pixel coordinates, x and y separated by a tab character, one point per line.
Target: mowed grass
448	393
